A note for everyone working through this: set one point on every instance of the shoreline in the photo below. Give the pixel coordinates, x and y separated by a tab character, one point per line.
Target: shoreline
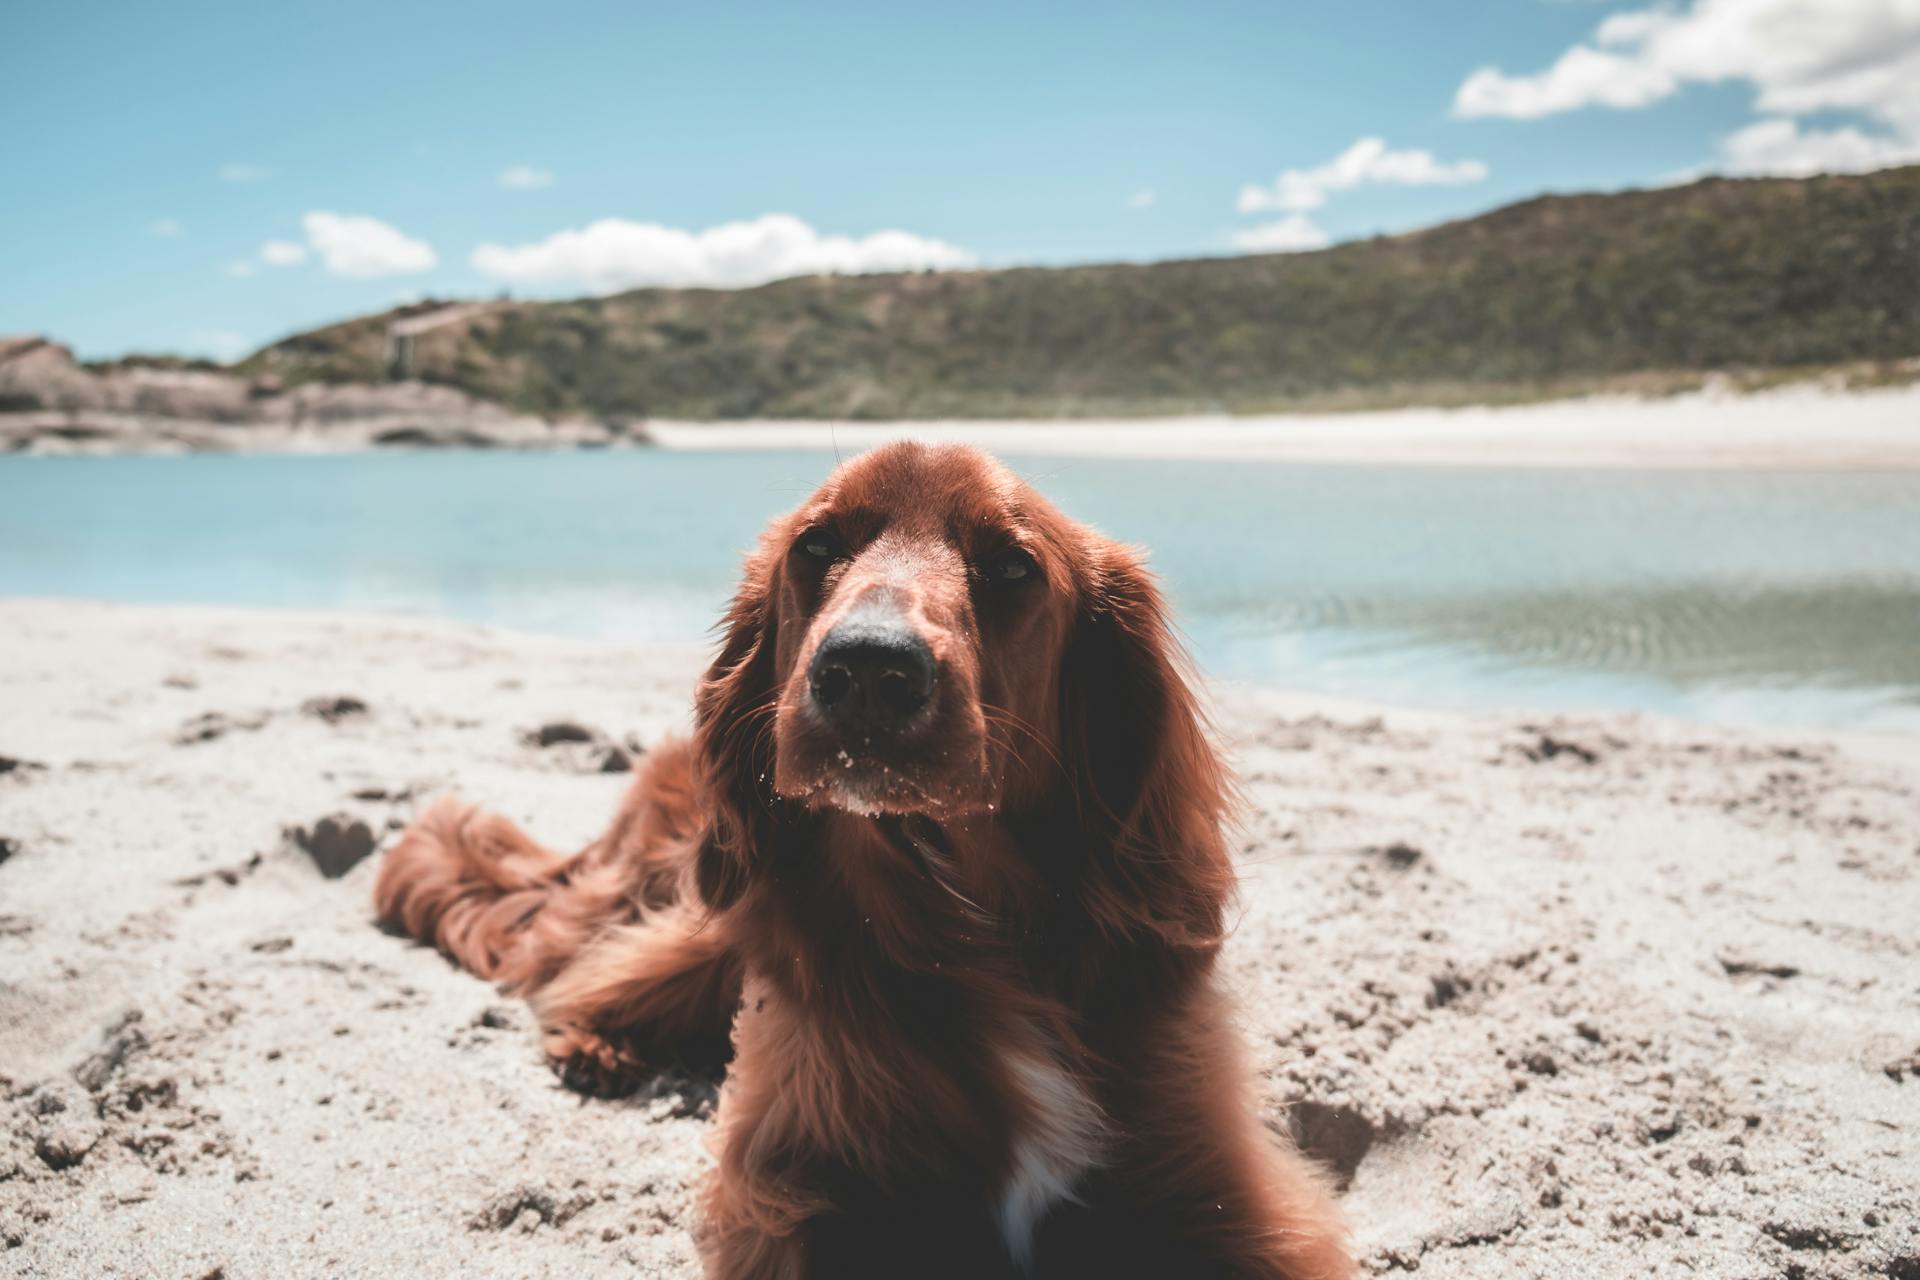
1218	692
1611	991
1800	426
1796	427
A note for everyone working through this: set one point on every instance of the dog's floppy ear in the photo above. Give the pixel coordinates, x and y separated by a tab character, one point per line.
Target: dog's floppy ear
733	745
1148	785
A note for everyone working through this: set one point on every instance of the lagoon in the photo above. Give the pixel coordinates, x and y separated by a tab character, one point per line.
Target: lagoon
1738	596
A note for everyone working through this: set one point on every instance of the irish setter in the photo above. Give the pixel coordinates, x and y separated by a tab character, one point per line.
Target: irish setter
944	856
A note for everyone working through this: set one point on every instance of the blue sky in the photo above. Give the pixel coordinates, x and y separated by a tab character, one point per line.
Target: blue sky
208	177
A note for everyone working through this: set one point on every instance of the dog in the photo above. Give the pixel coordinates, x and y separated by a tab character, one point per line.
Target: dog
941	876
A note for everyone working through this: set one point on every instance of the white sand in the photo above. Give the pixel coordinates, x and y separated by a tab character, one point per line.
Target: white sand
1593	997
1799	427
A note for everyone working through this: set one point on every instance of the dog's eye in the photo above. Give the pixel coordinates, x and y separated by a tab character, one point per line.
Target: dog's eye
821	544
1011	565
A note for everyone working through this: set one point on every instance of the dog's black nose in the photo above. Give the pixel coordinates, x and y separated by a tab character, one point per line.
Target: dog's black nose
871	674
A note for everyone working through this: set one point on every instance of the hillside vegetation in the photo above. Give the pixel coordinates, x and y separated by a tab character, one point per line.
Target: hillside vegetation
1561	292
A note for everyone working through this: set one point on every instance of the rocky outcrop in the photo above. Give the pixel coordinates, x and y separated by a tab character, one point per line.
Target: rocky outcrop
51	404
37	374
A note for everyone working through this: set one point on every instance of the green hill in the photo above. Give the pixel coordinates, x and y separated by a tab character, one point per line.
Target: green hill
1558	293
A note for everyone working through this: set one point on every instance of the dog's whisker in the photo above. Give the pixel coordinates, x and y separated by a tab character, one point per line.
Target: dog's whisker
999	715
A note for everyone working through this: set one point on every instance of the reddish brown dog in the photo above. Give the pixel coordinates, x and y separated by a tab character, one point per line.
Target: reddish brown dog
945	855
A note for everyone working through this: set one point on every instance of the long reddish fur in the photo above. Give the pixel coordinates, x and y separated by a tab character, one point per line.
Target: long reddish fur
879	973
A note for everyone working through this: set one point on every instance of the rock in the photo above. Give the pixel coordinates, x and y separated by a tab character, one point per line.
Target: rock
67	1128
119	1040
419	405
529	1207
559	731
38	374
1446	987
1800	1232
421	436
64	1146
336	843
225	875
335	709
216	724
1741	966
588	750
8	847
1549	747
1399	855
51	404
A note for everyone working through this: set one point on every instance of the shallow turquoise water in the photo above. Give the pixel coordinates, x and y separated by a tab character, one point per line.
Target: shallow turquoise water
1750	597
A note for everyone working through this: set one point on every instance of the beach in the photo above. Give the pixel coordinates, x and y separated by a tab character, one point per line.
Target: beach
1581	995
1799	426
1804	425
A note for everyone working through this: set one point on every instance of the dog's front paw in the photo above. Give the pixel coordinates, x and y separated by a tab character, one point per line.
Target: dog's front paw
590	1065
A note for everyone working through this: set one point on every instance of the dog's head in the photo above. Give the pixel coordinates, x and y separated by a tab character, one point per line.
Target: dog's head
928	636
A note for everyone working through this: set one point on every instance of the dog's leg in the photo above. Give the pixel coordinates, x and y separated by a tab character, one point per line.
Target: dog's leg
662	990
753	1224
1264	1211
1232	1199
737	1250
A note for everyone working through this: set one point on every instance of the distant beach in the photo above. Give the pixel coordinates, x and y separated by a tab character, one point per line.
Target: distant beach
1794	427
1804	426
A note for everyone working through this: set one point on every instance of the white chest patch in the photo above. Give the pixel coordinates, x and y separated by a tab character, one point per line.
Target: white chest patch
1063	1138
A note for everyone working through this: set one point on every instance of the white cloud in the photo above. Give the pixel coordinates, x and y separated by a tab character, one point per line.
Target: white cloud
218	343
363	247
1367	162
1780	147
166	227
525	178
1800	56
283	253
1291	234
615	253
1142	199
240	269
244	173
1582	77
